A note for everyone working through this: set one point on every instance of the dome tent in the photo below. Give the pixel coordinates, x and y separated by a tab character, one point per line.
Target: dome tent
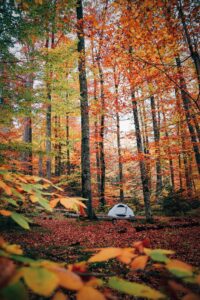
121	210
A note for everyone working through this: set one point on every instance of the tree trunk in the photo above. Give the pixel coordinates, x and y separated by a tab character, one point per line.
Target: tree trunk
143	171
101	143
27	138
181	131
192	48
146	141
187	105
67	145
157	145
171	167
48	119
96	128
48	136
85	138
56	145
120	165
40	165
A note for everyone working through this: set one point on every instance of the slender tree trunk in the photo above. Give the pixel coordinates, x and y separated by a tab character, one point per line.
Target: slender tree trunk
59	148
27	138
120	165
171	167
186	165
85	139
101	143
192	48
96	127
48	116
56	145
157	145
180	172
40	165
67	144
146	141
187	105
181	131
143	171
48	135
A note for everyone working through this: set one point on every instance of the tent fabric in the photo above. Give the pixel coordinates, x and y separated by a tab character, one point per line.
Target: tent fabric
121	210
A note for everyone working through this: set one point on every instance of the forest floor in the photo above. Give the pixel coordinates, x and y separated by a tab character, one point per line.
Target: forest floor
60	239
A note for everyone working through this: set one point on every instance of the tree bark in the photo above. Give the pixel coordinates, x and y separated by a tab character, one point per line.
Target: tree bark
157	145
181	131
171	167
192	48
85	139
27	138
96	127
146	141
120	165
187	106
67	145
143	171
101	143
48	134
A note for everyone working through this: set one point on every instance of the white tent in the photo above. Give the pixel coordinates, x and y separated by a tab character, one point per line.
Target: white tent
121	210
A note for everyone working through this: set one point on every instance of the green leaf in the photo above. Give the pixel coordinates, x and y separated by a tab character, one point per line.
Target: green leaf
44	203
22	258
134	289
179	268
14	292
20	220
40	280
157	256
181	273
11	201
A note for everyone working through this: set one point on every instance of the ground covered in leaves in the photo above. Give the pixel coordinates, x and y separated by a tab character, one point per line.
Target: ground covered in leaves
62	239
59	238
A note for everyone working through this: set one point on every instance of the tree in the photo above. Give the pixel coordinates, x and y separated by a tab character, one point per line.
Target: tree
85	144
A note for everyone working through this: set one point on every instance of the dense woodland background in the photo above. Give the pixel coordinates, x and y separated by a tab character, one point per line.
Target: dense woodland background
99	104
102	97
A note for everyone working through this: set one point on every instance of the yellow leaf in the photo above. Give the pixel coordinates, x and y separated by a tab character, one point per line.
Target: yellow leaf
22	179
94	282
68	279
161	251
127	255
34	198
41	281
89	293
60	296
177	264
139	262
53	203
5	213
6	188
105	254
15	249
71	203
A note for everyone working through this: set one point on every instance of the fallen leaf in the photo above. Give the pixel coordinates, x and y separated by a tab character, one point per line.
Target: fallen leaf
89	293
139	263
105	254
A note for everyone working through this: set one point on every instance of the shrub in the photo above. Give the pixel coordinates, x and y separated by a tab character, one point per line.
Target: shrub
175	204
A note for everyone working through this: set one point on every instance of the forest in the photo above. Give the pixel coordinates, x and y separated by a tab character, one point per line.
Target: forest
99	107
